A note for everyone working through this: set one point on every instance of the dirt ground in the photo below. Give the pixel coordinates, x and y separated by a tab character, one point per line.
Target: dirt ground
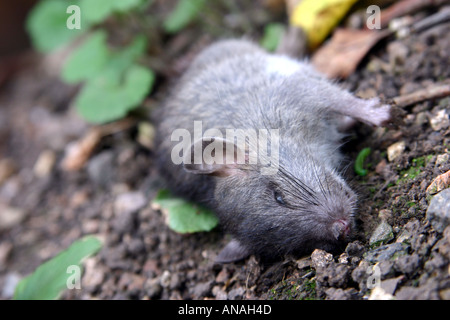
47	208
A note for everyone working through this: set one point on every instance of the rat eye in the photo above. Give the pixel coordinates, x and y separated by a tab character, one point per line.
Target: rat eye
279	198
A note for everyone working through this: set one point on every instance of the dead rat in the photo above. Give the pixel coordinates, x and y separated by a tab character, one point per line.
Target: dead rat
255	137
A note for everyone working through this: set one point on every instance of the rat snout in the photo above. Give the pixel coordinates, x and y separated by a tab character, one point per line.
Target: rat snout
340	229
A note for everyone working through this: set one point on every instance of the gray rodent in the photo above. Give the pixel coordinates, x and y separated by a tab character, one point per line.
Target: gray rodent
305	204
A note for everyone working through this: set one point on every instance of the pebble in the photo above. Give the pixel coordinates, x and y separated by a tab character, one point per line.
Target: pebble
126	207
129	202
7	169
395	150
442	159
201	289
44	164
101	168
382	234
153	288
10	217
407	264
440	120
9	286
321	259
438	212
5	250
385	252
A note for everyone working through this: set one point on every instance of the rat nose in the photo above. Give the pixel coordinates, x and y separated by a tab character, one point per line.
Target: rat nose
340	228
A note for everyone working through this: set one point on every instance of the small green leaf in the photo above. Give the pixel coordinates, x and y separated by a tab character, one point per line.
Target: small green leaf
49	280
88	60
107	97
184	216
272	35
183	14
97	11
47	25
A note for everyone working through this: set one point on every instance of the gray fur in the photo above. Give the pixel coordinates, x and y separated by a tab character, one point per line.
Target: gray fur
228	86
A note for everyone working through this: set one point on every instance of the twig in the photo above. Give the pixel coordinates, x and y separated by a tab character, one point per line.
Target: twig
433	92
405	7
442	16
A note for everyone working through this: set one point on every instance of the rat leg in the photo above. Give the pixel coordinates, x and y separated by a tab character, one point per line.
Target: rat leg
233	251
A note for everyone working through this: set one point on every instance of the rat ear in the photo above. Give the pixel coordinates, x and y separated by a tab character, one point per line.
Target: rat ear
233	251
214	156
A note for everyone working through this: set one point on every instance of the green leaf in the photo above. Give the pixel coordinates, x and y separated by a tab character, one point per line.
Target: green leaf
272	35
47	25
49	280
88	60
184	216
97	11
183	14
107	97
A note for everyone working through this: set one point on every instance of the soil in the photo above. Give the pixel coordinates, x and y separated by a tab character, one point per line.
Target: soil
143	259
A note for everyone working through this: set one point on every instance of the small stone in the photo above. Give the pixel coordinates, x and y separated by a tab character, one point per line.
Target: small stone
153	288
440	120
7	169
385	252
219	293
385	214
164	280
44	164
321	259
421	118
236	294
442	159
223	276
202	289
101	168
395	150
5	250
378	293
343	258
398	52
440	183
304	263
438	212
382	234
10	217
129	202
390	285
126	207
355	249
9	286
407	264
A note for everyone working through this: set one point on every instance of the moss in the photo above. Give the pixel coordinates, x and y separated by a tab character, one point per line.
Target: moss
298	289
414	170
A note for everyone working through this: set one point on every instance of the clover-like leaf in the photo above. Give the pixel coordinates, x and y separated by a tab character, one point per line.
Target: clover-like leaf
97	11
184	216
110	96
88	60
47	25
184	12
49	280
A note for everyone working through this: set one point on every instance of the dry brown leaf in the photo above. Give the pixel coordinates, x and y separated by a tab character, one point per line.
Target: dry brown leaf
77	154
342	54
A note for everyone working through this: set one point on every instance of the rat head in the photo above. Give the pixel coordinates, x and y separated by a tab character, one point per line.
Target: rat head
298	207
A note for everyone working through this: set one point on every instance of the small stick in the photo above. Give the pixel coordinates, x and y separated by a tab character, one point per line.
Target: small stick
436	91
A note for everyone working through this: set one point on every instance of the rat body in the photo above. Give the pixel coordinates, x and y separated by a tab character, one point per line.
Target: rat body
300	202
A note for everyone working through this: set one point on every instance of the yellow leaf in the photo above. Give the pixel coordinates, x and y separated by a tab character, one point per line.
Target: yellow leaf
318	17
